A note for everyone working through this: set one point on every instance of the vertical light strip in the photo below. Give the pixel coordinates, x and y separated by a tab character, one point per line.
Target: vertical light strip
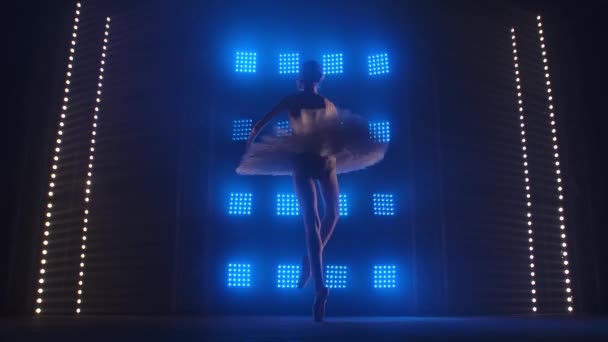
520	106
55	165
88	180
558	176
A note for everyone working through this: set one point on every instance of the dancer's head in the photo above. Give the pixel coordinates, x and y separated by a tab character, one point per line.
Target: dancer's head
310	76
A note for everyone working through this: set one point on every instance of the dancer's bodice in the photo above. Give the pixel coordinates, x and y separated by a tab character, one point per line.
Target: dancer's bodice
308	111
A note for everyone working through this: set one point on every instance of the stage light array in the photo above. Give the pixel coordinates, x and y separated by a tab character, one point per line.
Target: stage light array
378	64
239	275
287	205
282	128
89	178
240	203
385	276
343	205
241	129
246	62
528	194
287	277
380	131
384	204
46	240
558	173
336	276
289	63
333	64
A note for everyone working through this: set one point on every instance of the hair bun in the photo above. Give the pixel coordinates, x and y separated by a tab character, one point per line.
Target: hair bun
311	71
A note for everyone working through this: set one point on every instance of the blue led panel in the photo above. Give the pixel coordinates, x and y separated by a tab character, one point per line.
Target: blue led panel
380	131
287	205
282	128
287	276
385	276
289	63
241	129
239	275
246	62
384	204
378	64
335	276
343	204
333	64
240	203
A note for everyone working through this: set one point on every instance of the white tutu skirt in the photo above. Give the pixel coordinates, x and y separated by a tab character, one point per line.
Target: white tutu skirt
344	143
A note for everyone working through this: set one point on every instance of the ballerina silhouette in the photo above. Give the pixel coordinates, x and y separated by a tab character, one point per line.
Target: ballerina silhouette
323	143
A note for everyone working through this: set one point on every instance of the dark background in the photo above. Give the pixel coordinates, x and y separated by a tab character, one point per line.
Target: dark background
34	70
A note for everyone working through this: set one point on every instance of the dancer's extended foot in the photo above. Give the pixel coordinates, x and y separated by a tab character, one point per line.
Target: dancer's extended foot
318	306
304	272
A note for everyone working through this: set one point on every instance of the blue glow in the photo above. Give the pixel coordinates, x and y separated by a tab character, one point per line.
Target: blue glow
240	203
246	62
287	277
282	128
385	276
378	64
380	131
335	276
384	204
241	129
289	63
332	64
239	275
343	204
287	205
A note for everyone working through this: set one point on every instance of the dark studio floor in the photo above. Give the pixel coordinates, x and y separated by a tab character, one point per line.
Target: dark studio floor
291	328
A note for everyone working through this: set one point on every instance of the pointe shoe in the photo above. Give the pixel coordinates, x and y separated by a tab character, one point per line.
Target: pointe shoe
304	273
318	306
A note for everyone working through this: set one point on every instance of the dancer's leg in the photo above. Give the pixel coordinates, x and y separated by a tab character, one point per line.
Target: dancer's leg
307	198
330	192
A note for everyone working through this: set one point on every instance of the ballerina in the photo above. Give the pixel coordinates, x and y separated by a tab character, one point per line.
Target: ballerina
324	142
